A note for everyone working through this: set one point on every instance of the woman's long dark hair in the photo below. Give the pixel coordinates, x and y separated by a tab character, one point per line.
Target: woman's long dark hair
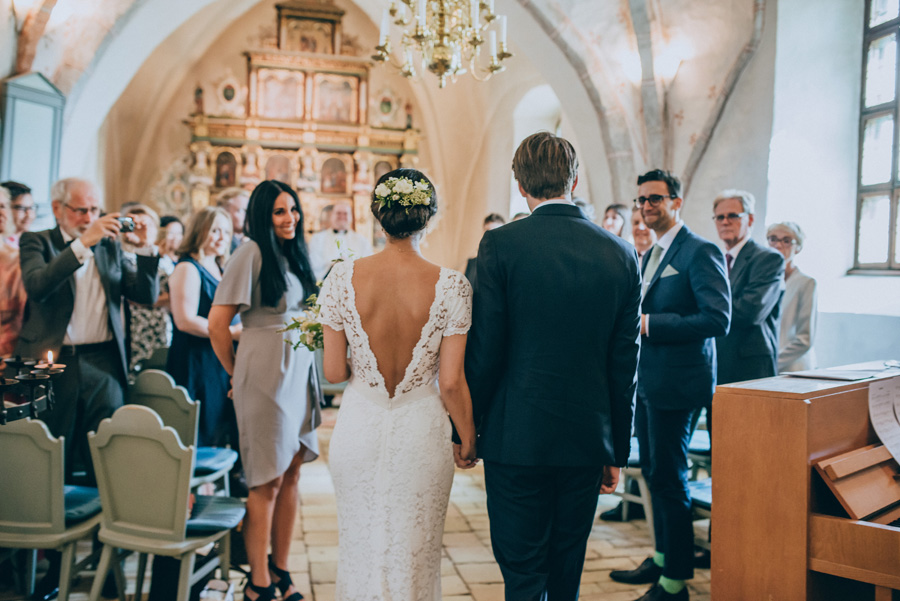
259	228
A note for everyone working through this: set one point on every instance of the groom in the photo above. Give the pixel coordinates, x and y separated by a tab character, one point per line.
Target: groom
551	363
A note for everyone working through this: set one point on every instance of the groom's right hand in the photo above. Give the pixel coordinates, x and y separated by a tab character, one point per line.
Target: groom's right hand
464	458
610	479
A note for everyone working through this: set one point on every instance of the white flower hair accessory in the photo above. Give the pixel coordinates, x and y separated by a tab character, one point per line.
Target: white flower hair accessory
402	191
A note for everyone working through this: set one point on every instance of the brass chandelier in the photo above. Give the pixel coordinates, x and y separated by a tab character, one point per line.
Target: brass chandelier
446	38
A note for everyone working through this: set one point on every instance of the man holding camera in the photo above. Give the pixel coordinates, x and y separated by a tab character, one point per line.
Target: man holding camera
76	278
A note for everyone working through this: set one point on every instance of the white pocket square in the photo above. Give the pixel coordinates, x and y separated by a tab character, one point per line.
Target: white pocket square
669	270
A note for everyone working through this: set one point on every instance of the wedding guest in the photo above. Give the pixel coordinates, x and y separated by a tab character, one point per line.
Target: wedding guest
615	218
686	304
234	201
12	291
149	325
642	236
518	216
324	218
586	207
267	281
22	209
799	306
491	222
171	232
192	287
338	242
76	278
756	273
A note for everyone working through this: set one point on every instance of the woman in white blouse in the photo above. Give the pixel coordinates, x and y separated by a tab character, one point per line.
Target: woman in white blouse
799	307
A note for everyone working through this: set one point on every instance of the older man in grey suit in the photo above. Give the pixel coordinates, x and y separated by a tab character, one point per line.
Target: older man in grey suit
76	279
756	274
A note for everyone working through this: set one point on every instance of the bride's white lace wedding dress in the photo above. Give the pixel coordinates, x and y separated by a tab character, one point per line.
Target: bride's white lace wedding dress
391	458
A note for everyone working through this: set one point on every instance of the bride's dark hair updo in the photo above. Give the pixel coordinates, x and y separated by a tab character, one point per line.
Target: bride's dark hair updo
400	221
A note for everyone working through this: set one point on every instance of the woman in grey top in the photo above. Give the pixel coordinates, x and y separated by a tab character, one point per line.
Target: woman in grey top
267	280
798	308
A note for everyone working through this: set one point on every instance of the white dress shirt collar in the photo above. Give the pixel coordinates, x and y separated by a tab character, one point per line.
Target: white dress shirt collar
737	249
554	201
665	241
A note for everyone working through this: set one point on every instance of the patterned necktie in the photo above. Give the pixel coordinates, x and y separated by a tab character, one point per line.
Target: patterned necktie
652	264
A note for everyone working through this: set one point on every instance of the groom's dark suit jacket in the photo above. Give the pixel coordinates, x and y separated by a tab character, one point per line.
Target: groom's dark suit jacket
48	265
552	354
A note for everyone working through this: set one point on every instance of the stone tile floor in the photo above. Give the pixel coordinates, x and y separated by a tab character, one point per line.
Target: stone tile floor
468	570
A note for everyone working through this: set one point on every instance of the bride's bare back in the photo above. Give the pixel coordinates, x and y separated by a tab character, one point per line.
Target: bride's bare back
394	294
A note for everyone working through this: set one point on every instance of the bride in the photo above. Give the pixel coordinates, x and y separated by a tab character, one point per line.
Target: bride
391	454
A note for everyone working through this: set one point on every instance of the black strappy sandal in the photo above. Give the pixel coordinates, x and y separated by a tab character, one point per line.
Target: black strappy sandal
284	582
263	593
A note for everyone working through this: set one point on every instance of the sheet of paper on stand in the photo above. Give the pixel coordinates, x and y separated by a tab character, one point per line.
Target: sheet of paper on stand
884	396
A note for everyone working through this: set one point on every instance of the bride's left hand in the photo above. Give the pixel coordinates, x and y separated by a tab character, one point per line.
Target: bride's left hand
464	462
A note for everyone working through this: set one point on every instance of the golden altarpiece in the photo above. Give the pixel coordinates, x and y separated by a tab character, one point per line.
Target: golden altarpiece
304	120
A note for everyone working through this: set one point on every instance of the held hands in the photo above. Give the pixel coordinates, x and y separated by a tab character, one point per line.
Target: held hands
104	227
142	234
464	455
610	479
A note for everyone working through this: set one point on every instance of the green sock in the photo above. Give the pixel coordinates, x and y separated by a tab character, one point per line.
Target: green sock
659	559
672	587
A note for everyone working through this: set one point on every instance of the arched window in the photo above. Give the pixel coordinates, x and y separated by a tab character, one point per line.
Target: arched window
877	244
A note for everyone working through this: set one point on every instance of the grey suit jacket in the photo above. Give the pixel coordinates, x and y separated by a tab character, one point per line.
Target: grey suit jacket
798	324
750	349
48	265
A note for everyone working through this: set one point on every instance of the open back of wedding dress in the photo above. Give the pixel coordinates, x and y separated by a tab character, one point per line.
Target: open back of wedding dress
391	457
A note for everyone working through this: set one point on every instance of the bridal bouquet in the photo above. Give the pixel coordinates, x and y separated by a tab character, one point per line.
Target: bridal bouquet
311	334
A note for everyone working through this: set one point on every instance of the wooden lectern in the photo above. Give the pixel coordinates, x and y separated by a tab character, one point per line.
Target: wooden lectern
778	531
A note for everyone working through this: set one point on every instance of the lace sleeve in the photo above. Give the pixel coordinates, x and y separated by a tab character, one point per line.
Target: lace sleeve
331	297
459	299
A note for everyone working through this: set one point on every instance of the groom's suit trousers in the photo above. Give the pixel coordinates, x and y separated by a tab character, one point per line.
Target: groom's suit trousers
541	518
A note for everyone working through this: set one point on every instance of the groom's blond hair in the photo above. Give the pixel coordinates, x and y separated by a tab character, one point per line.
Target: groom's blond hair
545	165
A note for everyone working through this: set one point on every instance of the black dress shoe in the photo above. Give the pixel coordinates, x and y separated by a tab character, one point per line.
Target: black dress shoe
658	593
635	512
646	573
45	593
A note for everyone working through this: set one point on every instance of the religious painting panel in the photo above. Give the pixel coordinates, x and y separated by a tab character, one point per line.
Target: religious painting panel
226	170
336	98
307	35
334	177
281	93
382	167
278	167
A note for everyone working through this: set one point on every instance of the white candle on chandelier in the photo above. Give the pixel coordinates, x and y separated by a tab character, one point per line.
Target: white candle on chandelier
421	17
503	30
50	357
475	14
490	7
492	43
385	25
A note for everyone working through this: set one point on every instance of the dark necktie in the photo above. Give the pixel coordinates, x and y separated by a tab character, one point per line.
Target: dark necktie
729	260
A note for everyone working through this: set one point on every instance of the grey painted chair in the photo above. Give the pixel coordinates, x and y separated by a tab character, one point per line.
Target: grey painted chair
157	390
144	476
632	472
36	510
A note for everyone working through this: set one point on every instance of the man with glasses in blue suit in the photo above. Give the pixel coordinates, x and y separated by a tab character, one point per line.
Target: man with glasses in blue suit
686	305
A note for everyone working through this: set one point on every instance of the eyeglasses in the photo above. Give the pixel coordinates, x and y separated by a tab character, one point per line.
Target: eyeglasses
84	211
775	240
23	208
729	216
653	199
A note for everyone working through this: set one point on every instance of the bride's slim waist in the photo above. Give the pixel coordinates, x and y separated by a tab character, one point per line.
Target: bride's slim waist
381	398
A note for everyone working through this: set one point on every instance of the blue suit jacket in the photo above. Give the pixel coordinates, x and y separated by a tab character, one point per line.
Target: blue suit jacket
688	303
552	354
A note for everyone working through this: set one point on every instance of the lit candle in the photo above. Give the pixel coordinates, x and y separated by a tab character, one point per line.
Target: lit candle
492	43
385	24
50	357
421	17
502	30
475	14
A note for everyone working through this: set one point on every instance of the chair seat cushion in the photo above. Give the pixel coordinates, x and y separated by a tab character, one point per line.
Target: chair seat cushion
82	502
701	493
214	514
700	444
213	459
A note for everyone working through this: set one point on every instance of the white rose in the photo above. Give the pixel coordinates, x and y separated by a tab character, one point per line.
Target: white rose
422	186
404	186
396	197
382	190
